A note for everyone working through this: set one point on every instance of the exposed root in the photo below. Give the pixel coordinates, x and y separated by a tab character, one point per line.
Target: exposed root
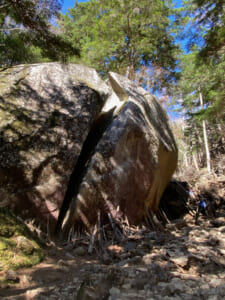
92	240
116	232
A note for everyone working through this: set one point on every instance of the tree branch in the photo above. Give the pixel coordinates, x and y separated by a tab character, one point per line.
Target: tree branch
11	29
3	6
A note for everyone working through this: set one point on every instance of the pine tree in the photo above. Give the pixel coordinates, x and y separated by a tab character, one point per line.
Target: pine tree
122	35
26	34
206	23
210	14
198	82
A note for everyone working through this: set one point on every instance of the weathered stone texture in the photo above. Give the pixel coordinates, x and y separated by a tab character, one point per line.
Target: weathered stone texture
132	163
46	112
69	141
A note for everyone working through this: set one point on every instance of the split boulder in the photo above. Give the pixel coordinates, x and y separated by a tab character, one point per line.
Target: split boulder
132	163
73	148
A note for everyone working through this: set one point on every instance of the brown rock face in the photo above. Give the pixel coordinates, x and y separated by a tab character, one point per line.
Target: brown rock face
66	154
46	112
132	163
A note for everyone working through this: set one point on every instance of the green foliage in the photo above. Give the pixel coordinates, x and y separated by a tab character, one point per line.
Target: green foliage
207	78
18	246
15	48
203	67
122	35
26	34
210	14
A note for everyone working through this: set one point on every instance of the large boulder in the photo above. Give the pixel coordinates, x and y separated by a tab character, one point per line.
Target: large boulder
46	112
131	164
73	149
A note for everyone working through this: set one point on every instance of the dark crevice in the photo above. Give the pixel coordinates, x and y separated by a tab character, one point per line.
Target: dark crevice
96	132
174	199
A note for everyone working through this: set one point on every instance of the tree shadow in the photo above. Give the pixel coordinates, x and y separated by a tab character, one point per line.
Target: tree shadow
42	130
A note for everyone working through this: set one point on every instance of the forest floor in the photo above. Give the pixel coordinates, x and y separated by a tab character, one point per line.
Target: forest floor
184	261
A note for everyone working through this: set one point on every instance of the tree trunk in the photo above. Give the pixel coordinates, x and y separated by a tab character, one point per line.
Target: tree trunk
130	73
195	159
185	159
208	160
185	145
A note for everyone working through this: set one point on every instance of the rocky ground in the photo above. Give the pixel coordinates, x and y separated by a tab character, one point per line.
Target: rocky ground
185	261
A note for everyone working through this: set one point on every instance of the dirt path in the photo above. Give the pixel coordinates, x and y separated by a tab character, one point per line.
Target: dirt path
183	262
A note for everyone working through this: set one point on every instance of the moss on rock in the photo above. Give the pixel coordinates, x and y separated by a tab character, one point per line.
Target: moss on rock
18	246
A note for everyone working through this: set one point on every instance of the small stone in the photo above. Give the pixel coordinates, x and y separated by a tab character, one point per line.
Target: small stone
106	259
179	224
115	250
125	255
221	290
190	283
215	282
62	262
209	291
171	227
69	247
64	269
80	251
130	246
142	269
213	241
11	276
214	297
222	251
176	285
147	259
151	235
69	255
218	222
135	261
218	260
180	261
52	252
32	294
89	294
25	245
164	289
222	275
26	279
222	229
42	297
126	286
114	291
139	283
123	263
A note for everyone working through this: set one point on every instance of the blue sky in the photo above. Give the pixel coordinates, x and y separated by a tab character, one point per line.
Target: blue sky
69	3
